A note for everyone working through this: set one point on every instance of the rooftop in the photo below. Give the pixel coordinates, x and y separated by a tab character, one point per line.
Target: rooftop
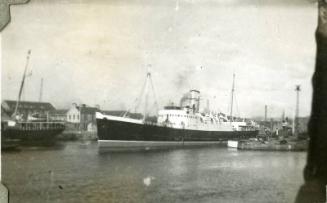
9	105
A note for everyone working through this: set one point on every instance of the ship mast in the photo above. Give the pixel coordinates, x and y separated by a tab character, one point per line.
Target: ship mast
149	80
145	94
232	99
148	76
22	83
41	90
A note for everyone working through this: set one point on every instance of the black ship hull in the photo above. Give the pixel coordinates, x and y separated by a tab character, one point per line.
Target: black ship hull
30	136
125	135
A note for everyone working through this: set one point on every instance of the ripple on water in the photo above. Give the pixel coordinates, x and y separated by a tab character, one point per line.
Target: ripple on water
81	174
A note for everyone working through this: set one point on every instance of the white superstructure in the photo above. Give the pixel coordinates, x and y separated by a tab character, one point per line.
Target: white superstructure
185	118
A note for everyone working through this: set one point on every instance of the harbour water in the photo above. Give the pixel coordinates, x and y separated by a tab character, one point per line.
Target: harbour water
79	172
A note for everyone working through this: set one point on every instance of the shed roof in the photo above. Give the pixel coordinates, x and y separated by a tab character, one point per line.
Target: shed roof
59	111
9	105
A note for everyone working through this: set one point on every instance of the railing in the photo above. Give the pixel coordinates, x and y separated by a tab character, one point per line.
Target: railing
42	125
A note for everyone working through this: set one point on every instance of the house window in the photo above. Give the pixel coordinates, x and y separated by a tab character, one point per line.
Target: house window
74	117
70	117
77	117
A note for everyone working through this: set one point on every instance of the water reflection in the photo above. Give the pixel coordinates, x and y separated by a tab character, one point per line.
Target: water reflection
77	172
177	162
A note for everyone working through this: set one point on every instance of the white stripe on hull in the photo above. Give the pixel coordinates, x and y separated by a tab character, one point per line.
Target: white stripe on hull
122	144
118	118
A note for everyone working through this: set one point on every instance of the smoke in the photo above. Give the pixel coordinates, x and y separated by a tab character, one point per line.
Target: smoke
184	78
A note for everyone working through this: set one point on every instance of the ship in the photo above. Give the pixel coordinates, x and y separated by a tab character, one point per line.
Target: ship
175	126
30	132
32	129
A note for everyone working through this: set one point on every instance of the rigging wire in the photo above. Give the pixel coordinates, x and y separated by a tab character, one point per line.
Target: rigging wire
154	94
139	98
137	102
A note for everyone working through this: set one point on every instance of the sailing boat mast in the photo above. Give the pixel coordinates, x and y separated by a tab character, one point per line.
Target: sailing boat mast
41	90
231	106
22	83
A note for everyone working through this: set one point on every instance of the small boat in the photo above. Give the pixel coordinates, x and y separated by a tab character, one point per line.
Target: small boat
34	129
232	143
30	131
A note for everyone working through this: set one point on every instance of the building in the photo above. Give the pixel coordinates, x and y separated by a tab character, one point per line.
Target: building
82	117
73	116
58	115
88	120
27	108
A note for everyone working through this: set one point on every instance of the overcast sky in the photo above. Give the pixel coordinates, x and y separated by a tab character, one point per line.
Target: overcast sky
98	53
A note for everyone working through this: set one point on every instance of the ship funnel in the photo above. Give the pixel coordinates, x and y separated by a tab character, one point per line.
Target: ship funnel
191	100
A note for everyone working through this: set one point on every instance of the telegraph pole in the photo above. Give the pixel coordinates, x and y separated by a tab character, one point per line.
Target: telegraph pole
297	109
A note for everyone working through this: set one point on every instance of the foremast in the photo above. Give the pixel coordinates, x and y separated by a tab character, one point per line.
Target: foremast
22	84
145	93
